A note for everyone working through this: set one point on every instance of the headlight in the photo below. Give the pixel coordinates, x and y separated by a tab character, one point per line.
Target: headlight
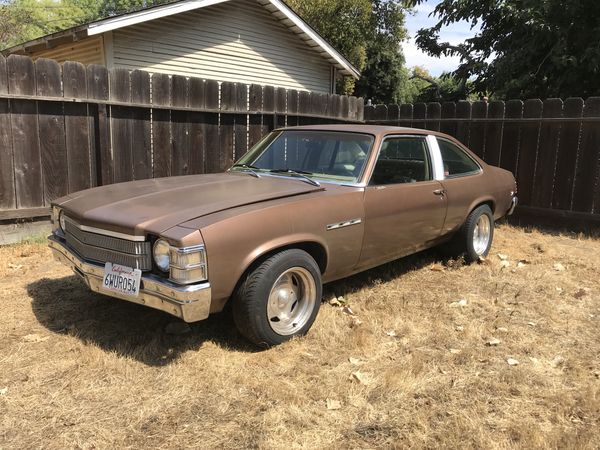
185	265
162	255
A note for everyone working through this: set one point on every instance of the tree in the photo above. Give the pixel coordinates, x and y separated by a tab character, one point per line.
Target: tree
23	20
368	33
384	75
525	48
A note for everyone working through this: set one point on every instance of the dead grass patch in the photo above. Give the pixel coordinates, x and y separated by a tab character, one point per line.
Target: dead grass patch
418	364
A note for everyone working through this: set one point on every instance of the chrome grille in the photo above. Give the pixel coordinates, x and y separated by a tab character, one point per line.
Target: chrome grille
99	248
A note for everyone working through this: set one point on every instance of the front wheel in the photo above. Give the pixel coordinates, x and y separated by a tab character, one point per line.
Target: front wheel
279	298
475	237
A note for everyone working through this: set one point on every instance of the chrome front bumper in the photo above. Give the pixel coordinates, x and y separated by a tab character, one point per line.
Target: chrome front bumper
190	303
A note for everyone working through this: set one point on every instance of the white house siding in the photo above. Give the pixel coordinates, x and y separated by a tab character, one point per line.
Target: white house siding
237	41
86	51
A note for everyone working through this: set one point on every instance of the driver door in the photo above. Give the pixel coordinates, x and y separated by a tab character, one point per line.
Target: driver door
405	207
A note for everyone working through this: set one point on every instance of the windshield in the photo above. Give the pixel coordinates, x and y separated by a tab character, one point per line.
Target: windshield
323	155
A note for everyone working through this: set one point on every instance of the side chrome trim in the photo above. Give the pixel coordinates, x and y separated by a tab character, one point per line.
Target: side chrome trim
128	237
347	223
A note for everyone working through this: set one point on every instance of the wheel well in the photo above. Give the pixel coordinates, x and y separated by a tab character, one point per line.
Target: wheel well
314	249
490	203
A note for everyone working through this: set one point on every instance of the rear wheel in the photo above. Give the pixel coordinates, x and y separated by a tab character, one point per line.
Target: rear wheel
475	237
279	298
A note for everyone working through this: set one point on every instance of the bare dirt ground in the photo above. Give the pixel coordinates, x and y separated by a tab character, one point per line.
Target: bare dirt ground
424	362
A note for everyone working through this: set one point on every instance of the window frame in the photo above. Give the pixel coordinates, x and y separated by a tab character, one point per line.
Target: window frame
463	149
428	149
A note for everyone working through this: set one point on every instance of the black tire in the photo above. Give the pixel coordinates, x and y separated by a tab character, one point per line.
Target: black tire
463	243
250	302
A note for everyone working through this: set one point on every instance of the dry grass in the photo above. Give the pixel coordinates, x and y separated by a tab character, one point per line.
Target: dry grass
78	370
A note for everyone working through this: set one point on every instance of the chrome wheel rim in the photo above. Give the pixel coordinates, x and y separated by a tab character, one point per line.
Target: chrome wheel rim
482	234
291	301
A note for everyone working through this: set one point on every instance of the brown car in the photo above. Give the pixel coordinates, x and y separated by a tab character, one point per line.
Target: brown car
306	206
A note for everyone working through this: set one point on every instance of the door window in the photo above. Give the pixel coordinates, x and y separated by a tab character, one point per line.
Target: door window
402	160
456	161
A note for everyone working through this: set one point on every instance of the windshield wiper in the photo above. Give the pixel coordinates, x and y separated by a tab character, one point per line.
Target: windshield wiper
298	173
248	168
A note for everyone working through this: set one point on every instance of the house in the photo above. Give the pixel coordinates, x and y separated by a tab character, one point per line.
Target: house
246	41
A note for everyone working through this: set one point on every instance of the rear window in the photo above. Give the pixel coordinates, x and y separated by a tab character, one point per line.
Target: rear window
456	161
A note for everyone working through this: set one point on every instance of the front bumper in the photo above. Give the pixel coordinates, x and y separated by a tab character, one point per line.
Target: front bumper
190	303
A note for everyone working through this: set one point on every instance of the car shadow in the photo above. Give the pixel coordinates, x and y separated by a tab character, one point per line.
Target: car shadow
388	272
67	306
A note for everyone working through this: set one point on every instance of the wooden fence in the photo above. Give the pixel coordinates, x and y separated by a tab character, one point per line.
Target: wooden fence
553	147
71	127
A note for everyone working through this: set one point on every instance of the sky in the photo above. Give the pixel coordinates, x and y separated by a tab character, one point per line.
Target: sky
454	34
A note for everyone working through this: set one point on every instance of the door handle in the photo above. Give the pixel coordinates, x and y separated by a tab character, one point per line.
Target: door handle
441	192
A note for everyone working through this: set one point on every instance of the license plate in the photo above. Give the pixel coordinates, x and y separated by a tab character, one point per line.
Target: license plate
121	279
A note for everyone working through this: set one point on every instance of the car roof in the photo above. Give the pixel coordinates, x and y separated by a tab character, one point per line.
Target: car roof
377	130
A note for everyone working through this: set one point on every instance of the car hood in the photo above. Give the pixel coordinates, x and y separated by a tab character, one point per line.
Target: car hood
154	206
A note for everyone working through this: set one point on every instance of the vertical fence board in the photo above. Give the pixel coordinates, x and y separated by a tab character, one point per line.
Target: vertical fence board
25	139
241	120
369	112
406	115
448	112
546	160
226	132
303	107
345	107
530	132
180	133
120	90
493	135
140	126
280	107
197	126
51	122
394	114
566	158
434	113
587	161
161	126
353	108
77	127
419	114
511	136
255	119
333	106
7	176
477	131
360	109
292	106
463	128
212	127
98	89
381	113
268	109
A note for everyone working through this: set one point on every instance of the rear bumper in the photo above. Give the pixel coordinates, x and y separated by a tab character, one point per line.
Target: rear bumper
513	204
190	303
